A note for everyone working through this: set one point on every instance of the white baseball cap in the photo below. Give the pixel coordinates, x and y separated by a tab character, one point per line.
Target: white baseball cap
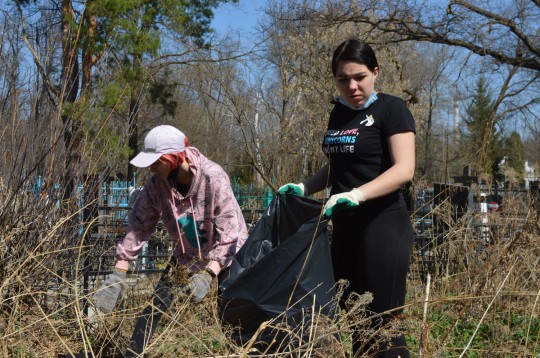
160	140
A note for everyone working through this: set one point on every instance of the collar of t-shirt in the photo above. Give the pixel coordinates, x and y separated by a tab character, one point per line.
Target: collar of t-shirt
368	103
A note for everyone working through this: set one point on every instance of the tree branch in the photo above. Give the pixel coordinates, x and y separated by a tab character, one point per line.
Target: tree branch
401	20
37	60
502	21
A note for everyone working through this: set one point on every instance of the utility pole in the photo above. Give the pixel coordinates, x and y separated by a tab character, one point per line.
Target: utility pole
258	158
457	120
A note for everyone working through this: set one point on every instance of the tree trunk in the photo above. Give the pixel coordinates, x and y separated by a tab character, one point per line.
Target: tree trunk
69	93
427	143
134	104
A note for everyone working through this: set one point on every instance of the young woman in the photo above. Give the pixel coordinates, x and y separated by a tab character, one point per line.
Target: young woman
370	148
193	198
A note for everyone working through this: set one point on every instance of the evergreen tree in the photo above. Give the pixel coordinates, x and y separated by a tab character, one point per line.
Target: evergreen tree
136	28
482	135
128	31
514	154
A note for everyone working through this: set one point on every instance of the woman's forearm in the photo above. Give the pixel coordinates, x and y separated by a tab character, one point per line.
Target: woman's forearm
318	181
122	264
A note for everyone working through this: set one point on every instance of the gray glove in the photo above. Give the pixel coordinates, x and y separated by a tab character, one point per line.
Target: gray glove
198	286
106	297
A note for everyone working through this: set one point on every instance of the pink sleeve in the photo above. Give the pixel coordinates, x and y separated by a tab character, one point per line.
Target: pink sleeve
229	225
141	223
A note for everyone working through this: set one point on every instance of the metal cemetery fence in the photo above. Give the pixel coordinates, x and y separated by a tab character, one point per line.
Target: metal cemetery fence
477	219
109	218
116	199
432	210
250	196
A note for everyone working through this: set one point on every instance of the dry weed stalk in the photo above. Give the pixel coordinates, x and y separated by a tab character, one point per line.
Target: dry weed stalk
478	279
487	275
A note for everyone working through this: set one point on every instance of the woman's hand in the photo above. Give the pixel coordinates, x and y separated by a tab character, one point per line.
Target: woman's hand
348	200
292	188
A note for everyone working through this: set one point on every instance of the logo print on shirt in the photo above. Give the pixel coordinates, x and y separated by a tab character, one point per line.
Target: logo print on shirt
332	132
368	121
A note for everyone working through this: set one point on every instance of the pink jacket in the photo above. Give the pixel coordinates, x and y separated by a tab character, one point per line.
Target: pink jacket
220	226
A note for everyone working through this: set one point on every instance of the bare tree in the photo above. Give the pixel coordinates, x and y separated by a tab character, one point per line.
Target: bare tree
498	39
228	108
298	90
506	31
298	51
426	68
212	124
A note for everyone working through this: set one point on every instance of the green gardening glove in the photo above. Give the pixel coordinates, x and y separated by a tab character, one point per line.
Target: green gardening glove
348	200
291	188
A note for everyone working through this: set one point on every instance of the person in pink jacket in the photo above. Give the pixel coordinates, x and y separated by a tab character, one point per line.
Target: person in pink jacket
193	197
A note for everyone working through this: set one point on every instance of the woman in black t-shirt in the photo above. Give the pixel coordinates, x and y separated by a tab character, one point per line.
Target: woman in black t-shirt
370	148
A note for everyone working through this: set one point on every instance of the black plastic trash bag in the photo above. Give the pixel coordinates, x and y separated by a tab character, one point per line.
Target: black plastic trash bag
283	271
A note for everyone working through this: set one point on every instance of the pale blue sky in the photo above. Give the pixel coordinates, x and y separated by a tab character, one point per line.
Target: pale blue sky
238	17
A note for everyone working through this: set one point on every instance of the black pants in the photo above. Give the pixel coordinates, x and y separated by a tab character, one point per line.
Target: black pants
371	249
149	318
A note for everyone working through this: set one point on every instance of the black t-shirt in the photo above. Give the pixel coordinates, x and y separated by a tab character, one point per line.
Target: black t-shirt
356	142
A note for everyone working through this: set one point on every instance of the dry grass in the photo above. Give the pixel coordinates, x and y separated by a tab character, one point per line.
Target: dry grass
482	297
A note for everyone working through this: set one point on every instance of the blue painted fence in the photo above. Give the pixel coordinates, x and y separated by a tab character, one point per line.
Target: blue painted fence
120	195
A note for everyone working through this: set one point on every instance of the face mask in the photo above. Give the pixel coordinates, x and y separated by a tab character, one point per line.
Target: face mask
173	160
368	103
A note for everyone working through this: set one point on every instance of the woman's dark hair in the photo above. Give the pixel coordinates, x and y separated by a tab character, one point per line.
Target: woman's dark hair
357	51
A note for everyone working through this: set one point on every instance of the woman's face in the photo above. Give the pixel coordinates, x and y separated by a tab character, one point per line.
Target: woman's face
160	168
355	82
